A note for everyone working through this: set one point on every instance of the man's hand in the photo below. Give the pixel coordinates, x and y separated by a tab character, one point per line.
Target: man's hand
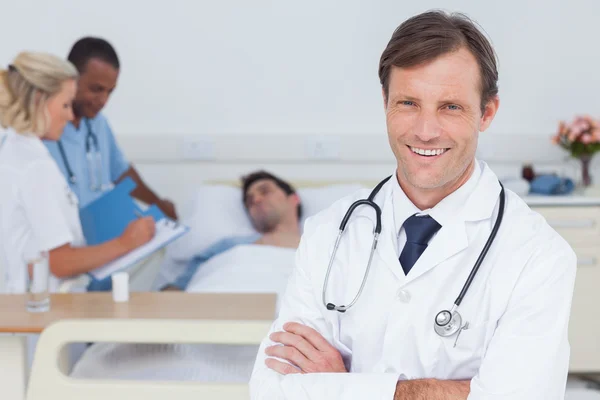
305	348
170	288
168	208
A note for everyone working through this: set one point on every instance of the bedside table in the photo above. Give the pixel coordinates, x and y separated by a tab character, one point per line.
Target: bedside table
577	219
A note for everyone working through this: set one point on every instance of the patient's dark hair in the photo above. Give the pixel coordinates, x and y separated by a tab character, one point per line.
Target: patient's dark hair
249	179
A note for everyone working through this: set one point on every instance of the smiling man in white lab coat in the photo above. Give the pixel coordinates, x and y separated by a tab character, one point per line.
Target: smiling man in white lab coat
439	81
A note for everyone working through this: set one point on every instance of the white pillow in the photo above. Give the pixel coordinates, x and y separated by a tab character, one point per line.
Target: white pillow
217	212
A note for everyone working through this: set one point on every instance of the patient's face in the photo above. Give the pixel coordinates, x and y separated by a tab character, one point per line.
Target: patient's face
268	205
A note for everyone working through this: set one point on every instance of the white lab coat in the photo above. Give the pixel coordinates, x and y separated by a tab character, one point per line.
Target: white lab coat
38	210
516	346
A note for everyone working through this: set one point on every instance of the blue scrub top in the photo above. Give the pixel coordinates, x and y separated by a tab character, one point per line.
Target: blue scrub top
113	162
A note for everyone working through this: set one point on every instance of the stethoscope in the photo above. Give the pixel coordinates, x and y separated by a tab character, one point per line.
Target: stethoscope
446	322
94	160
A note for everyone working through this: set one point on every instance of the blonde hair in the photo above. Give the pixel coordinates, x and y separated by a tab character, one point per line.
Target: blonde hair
25	88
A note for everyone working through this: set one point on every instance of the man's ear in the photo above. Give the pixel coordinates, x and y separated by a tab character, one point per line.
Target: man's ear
489	112
296	198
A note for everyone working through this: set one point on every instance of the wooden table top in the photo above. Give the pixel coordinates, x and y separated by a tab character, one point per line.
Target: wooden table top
14	318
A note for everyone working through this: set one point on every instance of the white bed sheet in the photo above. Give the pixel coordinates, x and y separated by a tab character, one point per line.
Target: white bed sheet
245	268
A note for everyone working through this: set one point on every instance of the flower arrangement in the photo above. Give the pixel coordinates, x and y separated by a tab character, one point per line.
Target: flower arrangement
581	138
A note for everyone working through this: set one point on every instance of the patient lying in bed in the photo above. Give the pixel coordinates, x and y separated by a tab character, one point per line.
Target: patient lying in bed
258	264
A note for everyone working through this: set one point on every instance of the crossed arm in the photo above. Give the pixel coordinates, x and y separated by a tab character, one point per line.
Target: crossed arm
306	351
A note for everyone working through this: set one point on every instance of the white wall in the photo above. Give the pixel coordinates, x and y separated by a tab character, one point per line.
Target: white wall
304	67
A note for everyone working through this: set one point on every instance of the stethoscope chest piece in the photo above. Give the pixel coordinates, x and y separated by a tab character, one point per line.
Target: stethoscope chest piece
447	323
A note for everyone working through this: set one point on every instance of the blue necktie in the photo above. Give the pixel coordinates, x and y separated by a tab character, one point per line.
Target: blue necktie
419	230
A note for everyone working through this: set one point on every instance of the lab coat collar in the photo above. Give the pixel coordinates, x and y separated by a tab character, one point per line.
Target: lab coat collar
482	202
443	212
452	238
31	139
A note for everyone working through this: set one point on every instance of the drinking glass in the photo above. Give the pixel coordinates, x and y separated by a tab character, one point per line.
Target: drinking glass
38	268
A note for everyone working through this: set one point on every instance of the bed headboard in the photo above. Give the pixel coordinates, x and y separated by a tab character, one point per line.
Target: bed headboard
299	184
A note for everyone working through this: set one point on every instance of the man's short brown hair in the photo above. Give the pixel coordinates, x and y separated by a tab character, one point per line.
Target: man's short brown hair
426	36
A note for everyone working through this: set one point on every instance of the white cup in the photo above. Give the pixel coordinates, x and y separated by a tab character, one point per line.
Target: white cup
120	287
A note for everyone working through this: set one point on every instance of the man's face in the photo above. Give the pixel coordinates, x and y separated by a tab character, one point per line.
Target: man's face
97	81
268	205
433	115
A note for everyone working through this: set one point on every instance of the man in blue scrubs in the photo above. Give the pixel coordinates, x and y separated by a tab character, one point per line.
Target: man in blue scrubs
87	153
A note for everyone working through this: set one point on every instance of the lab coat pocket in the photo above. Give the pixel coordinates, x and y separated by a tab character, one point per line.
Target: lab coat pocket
461	354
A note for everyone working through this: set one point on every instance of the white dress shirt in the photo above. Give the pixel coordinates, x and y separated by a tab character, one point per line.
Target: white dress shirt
441	212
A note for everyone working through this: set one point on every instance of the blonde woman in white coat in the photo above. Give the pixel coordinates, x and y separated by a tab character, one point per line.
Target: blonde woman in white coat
38	211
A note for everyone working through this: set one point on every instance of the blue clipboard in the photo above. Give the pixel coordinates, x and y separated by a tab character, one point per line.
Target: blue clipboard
107	217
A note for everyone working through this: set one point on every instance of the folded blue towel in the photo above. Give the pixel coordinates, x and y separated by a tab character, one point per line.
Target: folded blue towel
551	185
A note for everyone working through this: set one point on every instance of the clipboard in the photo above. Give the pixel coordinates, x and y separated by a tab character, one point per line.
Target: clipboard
166	232
107	217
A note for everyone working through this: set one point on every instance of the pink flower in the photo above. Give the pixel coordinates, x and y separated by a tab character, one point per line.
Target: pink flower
586	138
573	134
583	129
584	122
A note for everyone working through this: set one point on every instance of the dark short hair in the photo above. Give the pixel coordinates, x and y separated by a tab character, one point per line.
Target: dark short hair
426	36
249	179
92	47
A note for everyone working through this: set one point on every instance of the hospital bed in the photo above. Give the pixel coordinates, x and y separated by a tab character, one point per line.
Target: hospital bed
49	377
176	314
224	194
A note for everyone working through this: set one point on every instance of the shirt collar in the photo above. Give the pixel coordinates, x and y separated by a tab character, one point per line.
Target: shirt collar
442	212
29	138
